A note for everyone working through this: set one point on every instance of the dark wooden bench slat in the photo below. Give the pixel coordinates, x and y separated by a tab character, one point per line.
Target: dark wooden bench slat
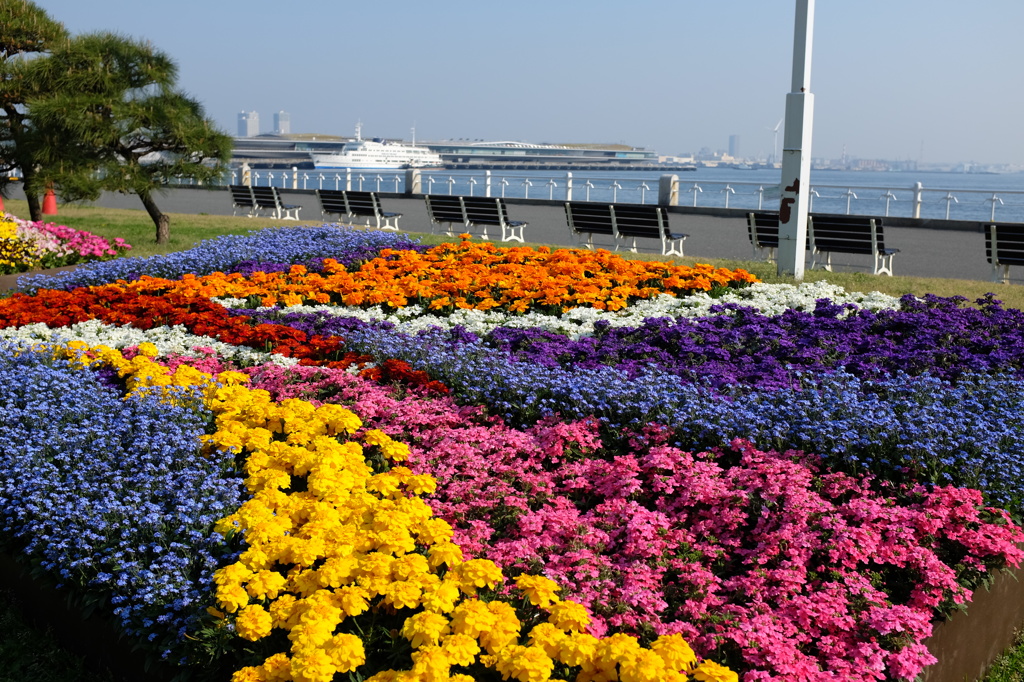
1004	246
830	234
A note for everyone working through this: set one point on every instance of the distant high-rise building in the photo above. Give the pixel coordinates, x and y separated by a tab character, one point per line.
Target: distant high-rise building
282	123
248	124
734	146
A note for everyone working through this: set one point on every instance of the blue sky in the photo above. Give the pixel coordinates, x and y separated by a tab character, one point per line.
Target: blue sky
931	80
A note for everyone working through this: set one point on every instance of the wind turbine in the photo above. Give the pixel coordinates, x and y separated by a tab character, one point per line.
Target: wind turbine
775	148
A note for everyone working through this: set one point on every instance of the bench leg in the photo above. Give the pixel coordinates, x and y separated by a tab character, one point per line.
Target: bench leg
1001	273
672	247
508	234
816	260
883	264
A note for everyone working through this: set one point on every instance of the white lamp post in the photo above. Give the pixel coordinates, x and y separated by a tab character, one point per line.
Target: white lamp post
796	149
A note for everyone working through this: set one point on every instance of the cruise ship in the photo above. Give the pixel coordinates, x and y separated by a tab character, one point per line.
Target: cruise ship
376	155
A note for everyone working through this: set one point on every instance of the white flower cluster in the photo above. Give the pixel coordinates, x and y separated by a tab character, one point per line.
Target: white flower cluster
769	299
168	340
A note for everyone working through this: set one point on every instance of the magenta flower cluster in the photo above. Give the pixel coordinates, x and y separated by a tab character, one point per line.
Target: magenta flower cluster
68	245
764	560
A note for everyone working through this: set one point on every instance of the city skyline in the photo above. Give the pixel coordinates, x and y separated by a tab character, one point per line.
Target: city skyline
927	81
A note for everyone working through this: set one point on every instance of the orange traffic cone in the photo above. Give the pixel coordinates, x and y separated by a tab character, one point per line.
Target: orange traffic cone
50	202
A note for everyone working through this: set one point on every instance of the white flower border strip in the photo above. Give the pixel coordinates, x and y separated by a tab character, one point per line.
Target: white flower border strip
168	340
769	299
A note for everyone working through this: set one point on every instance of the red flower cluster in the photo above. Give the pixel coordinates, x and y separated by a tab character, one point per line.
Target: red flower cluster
199	315
398	371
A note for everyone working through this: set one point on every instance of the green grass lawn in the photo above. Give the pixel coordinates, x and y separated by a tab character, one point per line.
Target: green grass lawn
28	654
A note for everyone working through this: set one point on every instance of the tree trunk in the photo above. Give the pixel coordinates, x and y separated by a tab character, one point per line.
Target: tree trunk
160	219
35	205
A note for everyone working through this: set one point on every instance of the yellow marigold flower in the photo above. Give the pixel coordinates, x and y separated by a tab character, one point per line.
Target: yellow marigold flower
312	665
403	595
248	674
527	664
285	611
461	649
504	631
447	553
477	573
421	484
472	617
148	349
337	570
579	649
569	616
337	419
277	668
253	622
442	597
265	585
346	652
409	567
425	628
538	589
644	666
352	599
231	597
434	531
709	671
430	664
675	651
617	649
547	637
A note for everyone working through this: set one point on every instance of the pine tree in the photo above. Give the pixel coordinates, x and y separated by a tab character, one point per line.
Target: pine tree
115	121
27	34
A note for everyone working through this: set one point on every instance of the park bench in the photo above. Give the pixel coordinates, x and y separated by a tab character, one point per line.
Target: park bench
830	234
268	199
763	231
1004	246
484	212
241	198
472	213
445	210
367	205
623	222
332	202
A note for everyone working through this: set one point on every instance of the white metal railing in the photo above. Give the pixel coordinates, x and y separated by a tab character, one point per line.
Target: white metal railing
915	201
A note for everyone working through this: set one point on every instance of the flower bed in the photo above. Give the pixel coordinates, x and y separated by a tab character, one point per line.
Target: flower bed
500	463
27	245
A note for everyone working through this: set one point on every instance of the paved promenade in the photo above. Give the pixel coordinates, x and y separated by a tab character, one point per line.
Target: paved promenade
924	252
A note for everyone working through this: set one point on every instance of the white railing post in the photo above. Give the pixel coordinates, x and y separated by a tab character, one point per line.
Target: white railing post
551	189
361	177
487	183
588	185
451	183
398	181
615	187
472	184
918	200
526	188
695	189
568	186
413	181
950	199
295	178
850	195
728	190
643	191
430	184
321	179
810	199
379	179
994	199
504	184
305	177
668	190
888	196
348	179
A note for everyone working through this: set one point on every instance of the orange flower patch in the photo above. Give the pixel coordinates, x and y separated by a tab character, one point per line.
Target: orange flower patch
466	275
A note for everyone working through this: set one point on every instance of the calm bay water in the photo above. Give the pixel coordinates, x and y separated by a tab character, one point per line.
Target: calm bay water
958	196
